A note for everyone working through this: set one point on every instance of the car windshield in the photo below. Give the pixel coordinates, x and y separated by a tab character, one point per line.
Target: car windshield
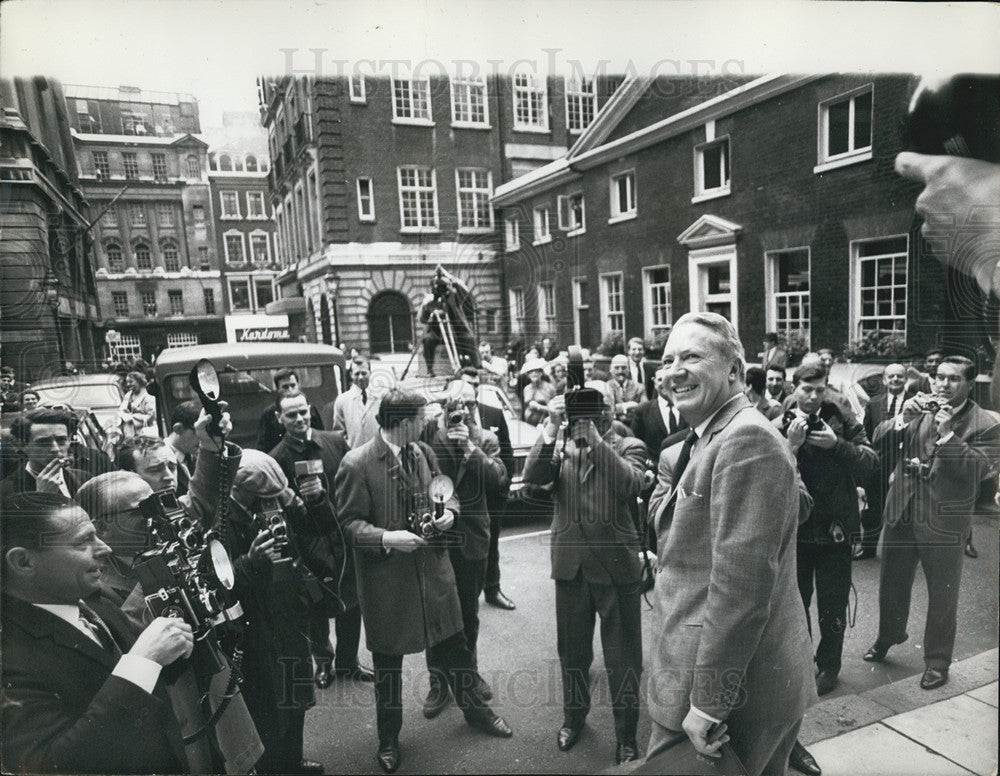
86	395
233	381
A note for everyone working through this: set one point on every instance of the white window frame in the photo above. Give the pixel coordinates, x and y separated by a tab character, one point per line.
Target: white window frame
414	84
171	295
468	84
617	214
130	156
120	296
224	213
578	94
535	85
165	209
605	279
109	218
512	234
154	304
826	161
259	196
167	244
242	279
579	304
701	193
257	306
650	303
362	215
225	245
137	208
565	206
421	228
103	166
476	194
547	307
154	158
856	316
128	347
771	293
518	312
181	339
357	95
698	262
267	247
542	226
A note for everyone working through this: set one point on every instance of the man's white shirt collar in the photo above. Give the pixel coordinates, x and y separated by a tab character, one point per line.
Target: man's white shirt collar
701	427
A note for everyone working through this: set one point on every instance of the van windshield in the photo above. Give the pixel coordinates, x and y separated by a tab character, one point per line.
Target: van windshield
245	381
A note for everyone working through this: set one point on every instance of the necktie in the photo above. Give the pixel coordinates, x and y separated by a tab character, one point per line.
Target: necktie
682	462
364	396
892	407
98	629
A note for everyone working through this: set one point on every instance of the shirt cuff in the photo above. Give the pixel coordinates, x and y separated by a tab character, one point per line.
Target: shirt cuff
945	438
900	424
140	671
549	440
703	715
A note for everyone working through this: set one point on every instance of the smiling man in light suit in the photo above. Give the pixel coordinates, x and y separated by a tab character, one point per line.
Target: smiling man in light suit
731	651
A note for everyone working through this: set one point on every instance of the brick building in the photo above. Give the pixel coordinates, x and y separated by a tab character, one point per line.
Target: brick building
376	181
773	202
48	291
144	171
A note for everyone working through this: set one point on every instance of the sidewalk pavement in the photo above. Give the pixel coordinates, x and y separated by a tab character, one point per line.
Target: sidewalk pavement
901	729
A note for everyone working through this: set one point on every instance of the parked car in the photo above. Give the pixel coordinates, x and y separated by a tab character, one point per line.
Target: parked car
99	393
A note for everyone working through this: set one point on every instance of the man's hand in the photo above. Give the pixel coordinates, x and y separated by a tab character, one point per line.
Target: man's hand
585	429
165	640
912	409
311	489
404	541
459	434
263	546
205	440
49	478
942	419
706	736
557	412
446	521
823	439
796	433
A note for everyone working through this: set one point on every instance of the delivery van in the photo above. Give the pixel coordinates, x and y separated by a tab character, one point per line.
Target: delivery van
246	378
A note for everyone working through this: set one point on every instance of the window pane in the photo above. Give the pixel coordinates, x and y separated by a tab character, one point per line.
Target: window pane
862	120
838	128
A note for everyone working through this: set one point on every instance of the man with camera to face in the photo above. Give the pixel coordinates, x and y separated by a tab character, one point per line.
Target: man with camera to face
470	456
833	456
595	556
310	460
409	600
82	690
948	446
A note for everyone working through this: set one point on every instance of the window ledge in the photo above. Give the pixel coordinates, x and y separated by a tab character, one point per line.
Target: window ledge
419	230
475	230
511	248
710	194
845	161
414	122
623	217
543	240
366	219
469	125
359	101
230	218
530	128
577	232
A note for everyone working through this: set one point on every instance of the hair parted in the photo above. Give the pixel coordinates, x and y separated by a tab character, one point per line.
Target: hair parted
399	405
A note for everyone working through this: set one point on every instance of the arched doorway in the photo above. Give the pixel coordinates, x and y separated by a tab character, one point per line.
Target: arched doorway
390	323
324	320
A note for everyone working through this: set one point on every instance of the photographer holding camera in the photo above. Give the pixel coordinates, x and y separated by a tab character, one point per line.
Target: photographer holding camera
82	686
470	456
833	456
406	581
595	556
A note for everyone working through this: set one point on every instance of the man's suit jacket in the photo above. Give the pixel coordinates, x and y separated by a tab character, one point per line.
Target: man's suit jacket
777	357
624	392
63	711
939	506
593	529
877	412
408	600
477	478
20	481
647	425
646	373
732	639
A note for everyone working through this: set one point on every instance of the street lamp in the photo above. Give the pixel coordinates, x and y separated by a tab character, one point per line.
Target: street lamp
330	280
49	286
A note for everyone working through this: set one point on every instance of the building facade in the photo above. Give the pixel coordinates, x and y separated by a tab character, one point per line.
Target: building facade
145	172
377	181
774	203
48	291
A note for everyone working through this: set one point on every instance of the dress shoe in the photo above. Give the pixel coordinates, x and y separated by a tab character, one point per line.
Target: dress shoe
863	553
483	688
934	677
970	551
877	653
803	762
567	737
437	699
307	768
388	756
489	723
323	676
499	600
626	753
826	682
358	673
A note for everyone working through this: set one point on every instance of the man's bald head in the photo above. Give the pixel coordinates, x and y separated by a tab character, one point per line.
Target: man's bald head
112	501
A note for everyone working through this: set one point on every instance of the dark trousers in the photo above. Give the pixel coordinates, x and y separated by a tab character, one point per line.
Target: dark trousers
283	747
453	656
497	510
347	627
830	565
763	751
469	576
942	564
577	604
871	518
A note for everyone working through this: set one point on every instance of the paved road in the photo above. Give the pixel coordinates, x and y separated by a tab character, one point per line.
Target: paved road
518	657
